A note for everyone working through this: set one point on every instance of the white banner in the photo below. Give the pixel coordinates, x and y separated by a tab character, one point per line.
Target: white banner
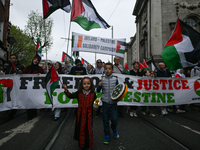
28	91
87	43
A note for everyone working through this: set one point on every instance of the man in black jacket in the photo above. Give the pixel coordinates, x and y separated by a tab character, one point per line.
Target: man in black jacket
11	70
78	69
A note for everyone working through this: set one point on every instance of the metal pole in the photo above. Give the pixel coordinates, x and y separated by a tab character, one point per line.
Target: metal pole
45	40
112	38
69	28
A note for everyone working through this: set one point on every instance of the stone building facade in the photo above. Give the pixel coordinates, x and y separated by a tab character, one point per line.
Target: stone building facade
155	21
5	27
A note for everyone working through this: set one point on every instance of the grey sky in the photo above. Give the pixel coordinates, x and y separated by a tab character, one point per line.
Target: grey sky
119	17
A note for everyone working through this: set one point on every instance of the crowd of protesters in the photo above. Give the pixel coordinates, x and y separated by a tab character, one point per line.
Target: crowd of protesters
106	71
79	69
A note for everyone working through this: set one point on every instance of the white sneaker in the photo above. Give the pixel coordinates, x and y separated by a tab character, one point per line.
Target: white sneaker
131	114
165	111
143	113
152	115
180	111
169	110
134	114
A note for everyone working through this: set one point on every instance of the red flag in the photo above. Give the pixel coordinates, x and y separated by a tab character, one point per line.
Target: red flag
140	65
144	64
13	65
82	61
54	75
64	57
126	69
118	46
51	81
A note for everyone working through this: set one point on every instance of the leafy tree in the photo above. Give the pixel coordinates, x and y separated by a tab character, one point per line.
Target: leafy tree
23	47
35	29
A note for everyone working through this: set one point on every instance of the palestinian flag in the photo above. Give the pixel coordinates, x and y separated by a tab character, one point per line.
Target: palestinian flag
126	69
49	6
85	14
84	62
51	81
120	48
145	64
66	56
14	67
140	65
75	54
183	47
39	48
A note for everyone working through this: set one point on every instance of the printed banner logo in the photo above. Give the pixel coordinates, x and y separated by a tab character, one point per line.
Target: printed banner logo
197	87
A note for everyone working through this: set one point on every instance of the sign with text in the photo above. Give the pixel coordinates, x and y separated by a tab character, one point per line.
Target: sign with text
87	43
28	91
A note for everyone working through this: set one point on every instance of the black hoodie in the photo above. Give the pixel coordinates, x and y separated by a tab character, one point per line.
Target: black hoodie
10	69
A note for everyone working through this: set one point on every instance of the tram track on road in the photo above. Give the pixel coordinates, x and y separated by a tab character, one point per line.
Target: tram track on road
183	146
186	117
48	144
7	120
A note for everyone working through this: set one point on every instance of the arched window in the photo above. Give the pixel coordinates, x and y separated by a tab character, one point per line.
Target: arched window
192	22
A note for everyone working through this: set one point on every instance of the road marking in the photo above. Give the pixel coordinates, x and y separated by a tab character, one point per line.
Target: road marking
23	128
186	127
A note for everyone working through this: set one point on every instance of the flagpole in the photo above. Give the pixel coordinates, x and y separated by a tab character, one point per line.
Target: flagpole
112	38
45	39
69	29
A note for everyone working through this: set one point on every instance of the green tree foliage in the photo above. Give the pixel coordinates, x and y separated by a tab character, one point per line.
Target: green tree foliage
35	29
23	47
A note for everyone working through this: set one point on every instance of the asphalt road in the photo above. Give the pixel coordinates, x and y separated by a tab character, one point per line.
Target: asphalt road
174	131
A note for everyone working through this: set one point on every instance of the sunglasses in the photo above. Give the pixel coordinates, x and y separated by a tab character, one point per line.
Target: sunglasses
99	62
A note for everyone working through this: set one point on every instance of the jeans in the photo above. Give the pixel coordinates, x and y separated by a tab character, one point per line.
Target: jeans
109	113
57	112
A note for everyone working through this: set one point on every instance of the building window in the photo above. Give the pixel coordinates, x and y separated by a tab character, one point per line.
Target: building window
192	22
1	30
3	1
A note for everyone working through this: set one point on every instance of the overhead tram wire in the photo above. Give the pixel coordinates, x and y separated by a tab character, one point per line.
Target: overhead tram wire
111	28
60	49
64	32
110	15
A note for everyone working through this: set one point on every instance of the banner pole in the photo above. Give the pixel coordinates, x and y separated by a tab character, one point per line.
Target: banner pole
45	40
112	55
69	28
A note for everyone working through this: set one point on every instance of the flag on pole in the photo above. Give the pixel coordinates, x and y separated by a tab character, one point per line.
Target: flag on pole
51	81
39	48
145	64
183	47
49	6
126	69
75	54
85	14
140	65
14	67
66	56
84	61
152	67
